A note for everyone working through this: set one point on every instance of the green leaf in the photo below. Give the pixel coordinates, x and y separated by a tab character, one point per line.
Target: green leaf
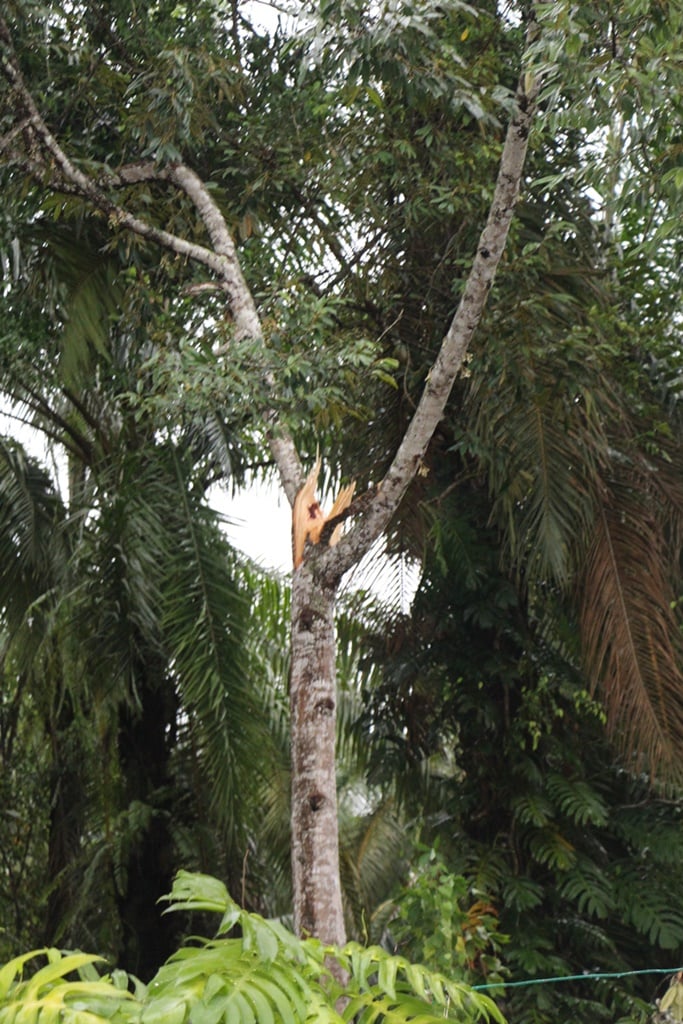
262	1007
57	970
590	888
577	799
533	809
165	1010
386	976
10	970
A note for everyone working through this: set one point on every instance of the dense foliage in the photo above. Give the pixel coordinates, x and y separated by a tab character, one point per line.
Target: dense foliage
500	745
264	975
552	858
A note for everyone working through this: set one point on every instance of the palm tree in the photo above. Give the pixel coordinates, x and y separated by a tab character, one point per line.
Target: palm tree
567	410
123	611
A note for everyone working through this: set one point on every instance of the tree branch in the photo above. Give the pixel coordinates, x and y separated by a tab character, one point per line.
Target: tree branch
221	259
333	563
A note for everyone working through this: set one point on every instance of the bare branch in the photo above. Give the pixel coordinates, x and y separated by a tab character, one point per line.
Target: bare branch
221	259
7	141
132	174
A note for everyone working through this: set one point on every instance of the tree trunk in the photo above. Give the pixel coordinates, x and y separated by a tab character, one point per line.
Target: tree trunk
149	937
317	889
313	702
67	802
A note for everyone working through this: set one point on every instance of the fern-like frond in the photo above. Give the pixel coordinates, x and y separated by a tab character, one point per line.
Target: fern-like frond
630	634
204	622
378	986
50	995
388	988
30	514
537	426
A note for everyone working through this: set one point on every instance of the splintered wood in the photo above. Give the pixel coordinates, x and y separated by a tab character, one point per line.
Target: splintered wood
308	518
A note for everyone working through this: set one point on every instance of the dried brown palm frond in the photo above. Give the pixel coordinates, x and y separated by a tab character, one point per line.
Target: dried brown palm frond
630	634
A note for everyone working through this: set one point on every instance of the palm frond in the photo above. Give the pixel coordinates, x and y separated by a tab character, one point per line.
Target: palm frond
236	979
540	432
82	278
373	851
117	569
267	640
30	514
630	634
386	578
204	623
267	643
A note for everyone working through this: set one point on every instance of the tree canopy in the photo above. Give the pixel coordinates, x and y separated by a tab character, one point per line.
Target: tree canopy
226	248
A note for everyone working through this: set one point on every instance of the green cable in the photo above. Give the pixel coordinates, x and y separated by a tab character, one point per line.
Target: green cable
577	977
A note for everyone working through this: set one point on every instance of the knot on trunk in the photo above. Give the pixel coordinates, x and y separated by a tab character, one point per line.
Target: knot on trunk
325	706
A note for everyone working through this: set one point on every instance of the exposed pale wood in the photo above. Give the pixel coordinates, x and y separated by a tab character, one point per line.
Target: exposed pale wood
309	522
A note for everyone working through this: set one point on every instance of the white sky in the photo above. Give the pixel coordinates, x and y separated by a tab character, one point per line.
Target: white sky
259	523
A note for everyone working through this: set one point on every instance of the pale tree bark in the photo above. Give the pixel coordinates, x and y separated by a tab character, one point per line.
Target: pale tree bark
315	843
315	849
454	346
313	693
